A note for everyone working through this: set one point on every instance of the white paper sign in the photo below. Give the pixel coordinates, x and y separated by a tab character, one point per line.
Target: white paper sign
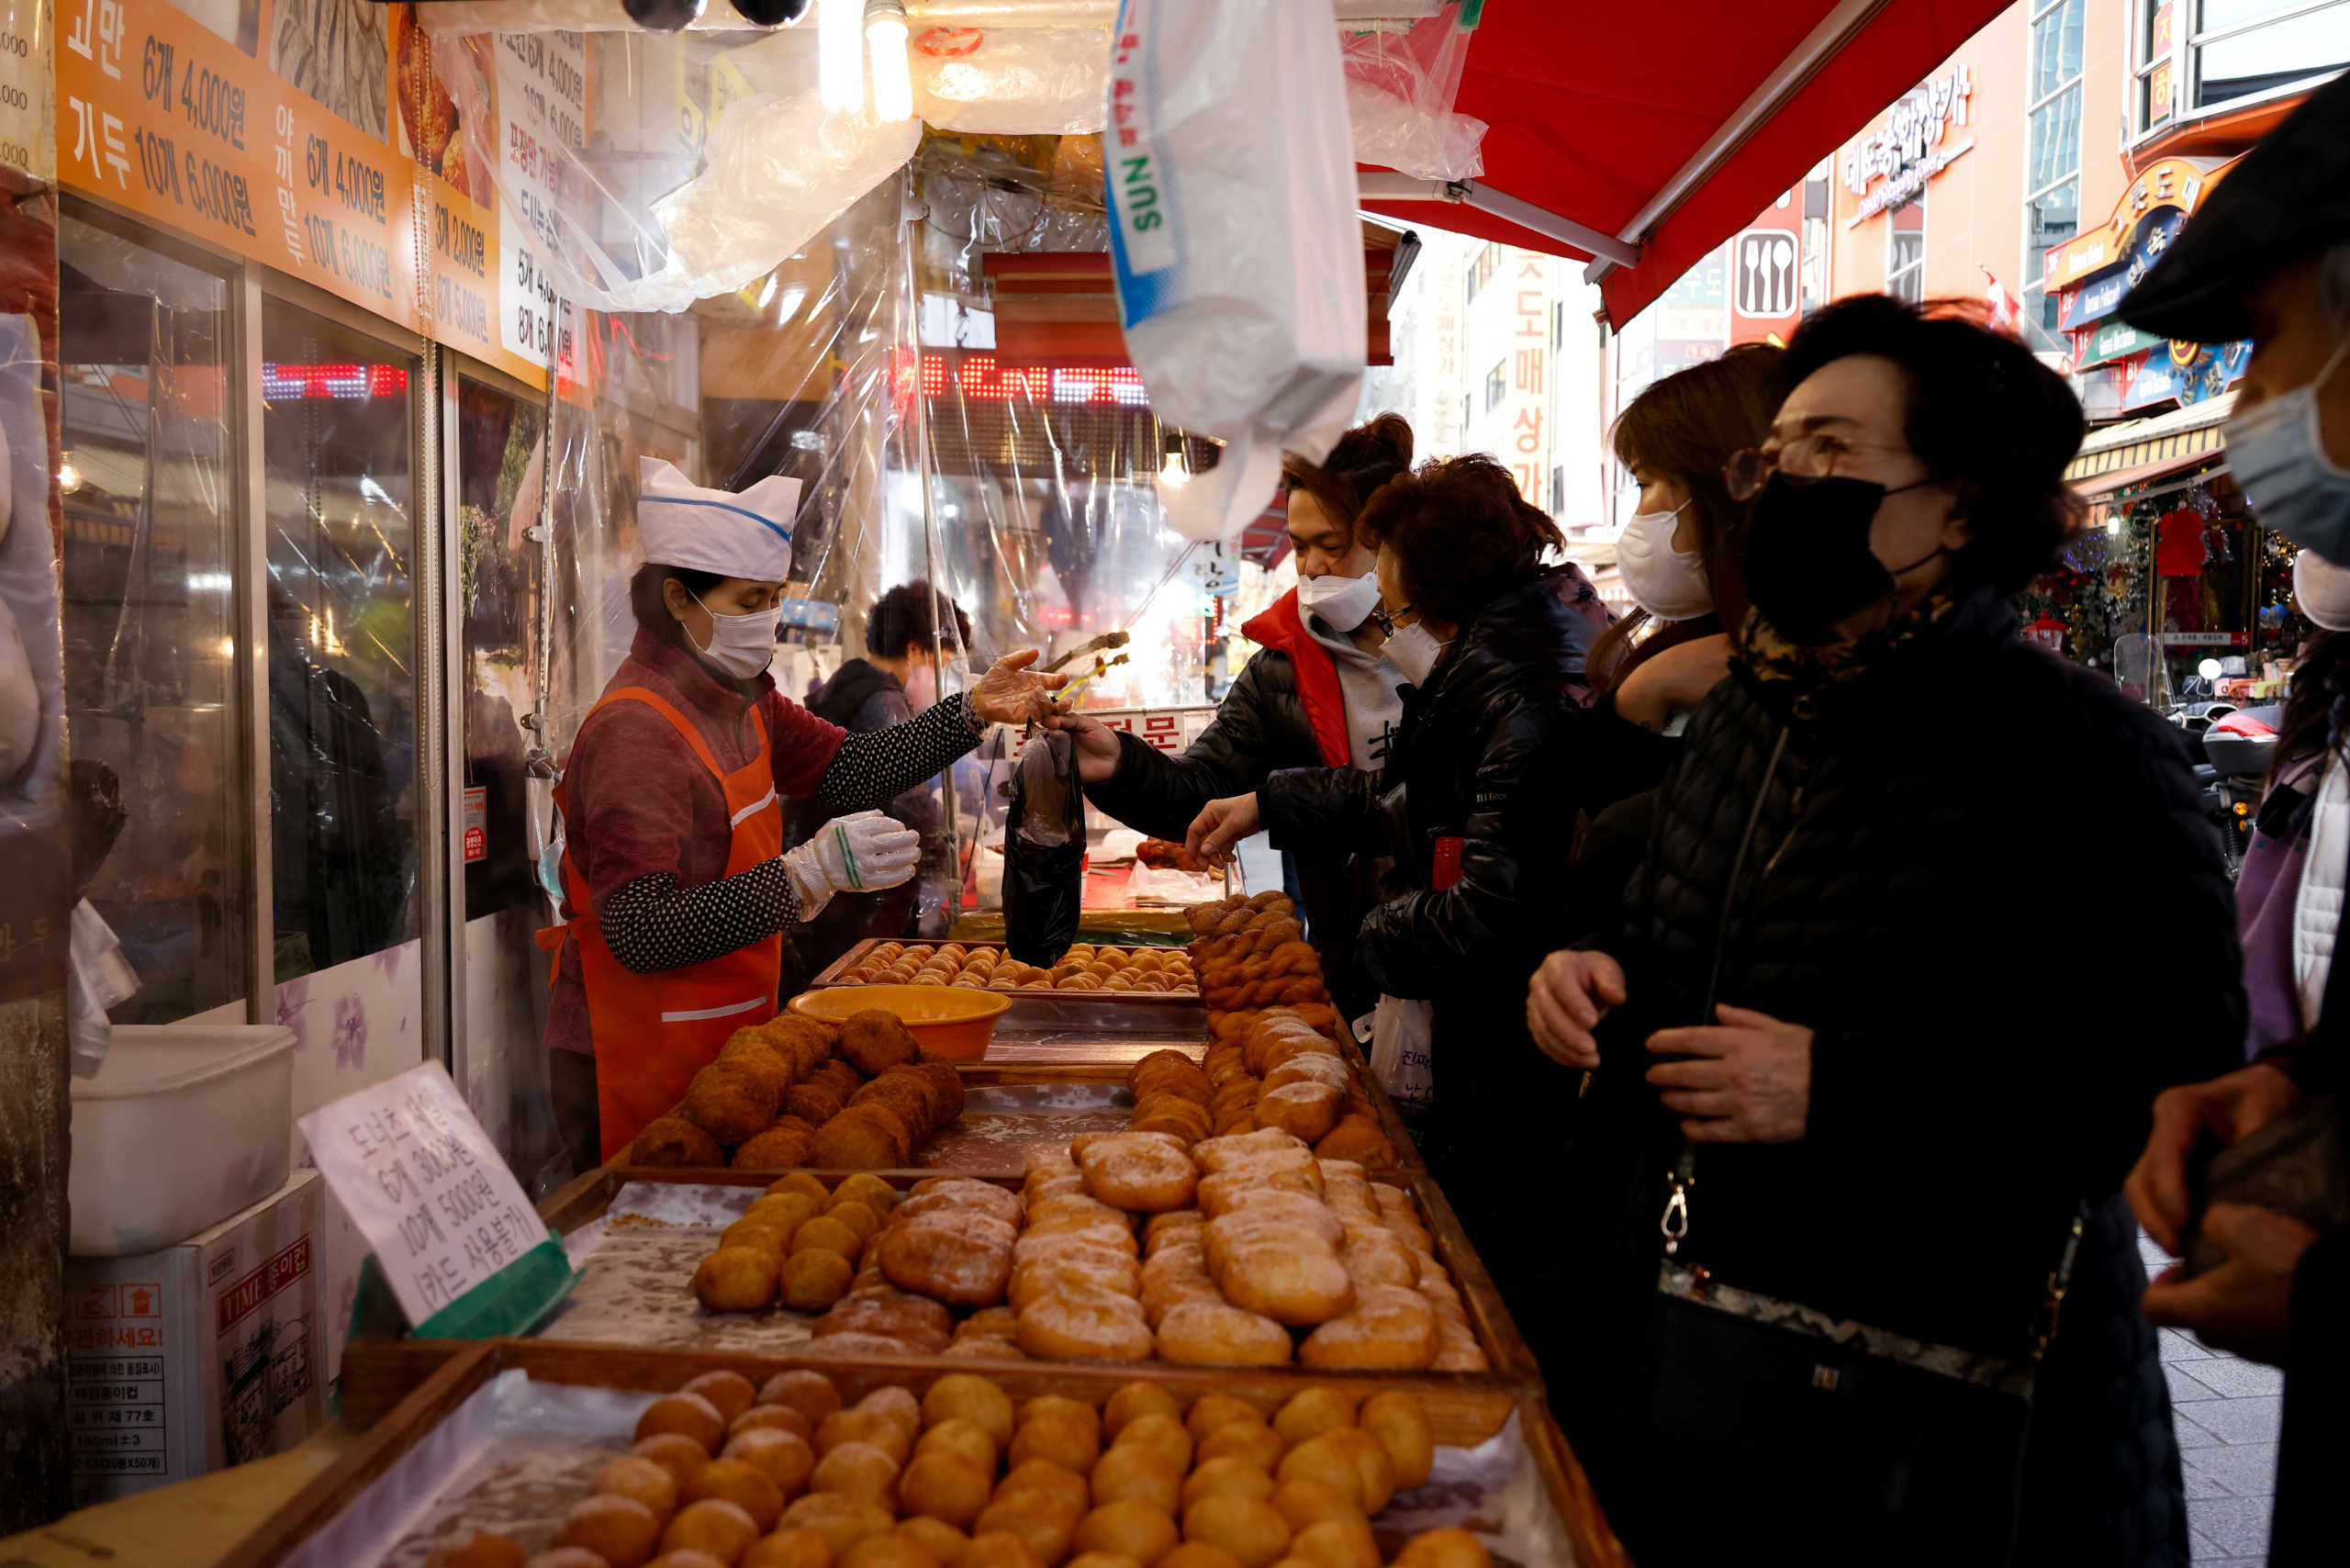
424	1185
27	123
542	100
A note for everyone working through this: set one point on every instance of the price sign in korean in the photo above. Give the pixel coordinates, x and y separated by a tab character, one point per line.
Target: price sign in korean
424	1185
543	107
28	136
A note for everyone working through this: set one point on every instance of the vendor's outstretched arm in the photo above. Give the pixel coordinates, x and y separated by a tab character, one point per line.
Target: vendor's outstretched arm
875	766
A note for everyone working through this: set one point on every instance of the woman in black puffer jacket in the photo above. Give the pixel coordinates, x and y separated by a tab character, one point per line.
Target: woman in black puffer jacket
1903	1023
1473	808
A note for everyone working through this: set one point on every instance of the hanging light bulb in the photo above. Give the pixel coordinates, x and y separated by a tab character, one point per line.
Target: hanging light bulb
69	478
893	84
1172	474
839	59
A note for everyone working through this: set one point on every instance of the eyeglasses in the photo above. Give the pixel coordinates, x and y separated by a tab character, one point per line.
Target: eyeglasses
1806	457
1385	619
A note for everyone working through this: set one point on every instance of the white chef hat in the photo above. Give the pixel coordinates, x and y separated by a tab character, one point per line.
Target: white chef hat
745	535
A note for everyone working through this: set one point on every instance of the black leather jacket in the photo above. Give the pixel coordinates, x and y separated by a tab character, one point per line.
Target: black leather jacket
1481	759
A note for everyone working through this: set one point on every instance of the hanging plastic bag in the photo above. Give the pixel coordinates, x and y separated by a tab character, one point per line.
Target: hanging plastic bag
1400	1035
1236	248
1401	85
102	977
1044	851
1010	81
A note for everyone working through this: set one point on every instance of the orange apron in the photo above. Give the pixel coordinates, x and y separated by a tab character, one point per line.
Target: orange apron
653	1031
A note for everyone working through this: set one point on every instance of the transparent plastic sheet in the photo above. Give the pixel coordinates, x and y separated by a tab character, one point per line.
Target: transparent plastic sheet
1400	86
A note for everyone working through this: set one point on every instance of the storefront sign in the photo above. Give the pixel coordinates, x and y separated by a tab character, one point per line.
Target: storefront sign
1909	148
2184	373
1527	405
476	839
543	109
1766	275
27	130
2098	298
2109	341
2172	183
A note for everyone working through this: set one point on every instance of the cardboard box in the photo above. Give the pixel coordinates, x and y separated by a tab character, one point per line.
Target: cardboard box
197	1357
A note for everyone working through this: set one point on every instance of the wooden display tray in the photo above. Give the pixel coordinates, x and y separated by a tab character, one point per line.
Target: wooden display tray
381	1364
1093	1012
403	1411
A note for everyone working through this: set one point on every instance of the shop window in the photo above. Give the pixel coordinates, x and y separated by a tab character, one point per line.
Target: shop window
1488	261
339	429
1905	258
499	458
2201	57
149	620
2052	208
1497	385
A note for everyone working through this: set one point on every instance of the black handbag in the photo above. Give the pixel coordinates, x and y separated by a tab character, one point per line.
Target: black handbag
1785	1419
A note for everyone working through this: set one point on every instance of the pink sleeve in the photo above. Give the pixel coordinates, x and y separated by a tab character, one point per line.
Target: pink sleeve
801	745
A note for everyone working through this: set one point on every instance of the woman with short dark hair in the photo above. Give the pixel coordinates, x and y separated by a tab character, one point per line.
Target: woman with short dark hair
1473	808
1927	918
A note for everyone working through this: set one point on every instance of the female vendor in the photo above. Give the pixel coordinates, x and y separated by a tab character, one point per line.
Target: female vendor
676	885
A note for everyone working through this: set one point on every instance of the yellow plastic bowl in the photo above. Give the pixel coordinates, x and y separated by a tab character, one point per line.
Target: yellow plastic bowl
952	1024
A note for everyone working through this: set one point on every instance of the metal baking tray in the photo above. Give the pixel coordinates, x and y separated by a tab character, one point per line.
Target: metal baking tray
1153	1014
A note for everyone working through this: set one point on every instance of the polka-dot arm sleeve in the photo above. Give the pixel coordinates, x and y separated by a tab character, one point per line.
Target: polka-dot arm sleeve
875	766
652	924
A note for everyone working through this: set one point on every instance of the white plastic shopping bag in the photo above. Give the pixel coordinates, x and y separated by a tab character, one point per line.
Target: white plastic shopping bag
1400	1034
1237	252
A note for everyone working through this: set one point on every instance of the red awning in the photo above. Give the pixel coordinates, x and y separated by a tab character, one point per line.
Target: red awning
1664	127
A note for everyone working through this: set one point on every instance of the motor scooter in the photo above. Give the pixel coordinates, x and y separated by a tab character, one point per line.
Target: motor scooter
2237	748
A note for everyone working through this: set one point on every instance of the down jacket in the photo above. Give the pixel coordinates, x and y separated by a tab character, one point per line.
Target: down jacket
1978	874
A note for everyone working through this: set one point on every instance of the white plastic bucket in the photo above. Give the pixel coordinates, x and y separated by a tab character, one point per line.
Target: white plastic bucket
186	1124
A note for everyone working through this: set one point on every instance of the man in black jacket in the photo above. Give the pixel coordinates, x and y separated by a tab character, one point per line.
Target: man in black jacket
2267	257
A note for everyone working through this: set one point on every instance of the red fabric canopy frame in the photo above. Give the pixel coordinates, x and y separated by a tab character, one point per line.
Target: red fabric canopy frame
1594	111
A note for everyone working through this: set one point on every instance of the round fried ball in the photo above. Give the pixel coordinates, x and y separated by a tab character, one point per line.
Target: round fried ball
999	1549
801	1181
1313	1413
1335	1543
1401	1424
1103	1560
1163	1433
687	1558
633	1475
675	1452
741	1482
963	1438
620	1531
1319	1459
788	1549
567	1557
961	1395
1444	1548
1227	1477
1199	1555
945	1487
1213	1411
1371	1463
1042	1475
814	1279
891	1550
864	1426
1305	1503
785	1211
869	1189
1137	1399
736	1278
1062	1406
859	1217
758	1232
857	1470
1060	1437
1250	1529
899	1405
782	1418
1043	1520
1137	1472
782	1456
687	1415
487	1549
713	1525
829	1234
841	1521
935	1536
1131	1529
810	1392
1251	1440
730	1392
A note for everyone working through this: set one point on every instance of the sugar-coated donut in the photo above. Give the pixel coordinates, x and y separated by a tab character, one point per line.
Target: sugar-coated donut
965	1192
620	1531
1139	1472
960	1257
1401	1424
961	1395
788	1549
1390	1327
945	1487
1285	1284
1130	1528
1203	1332
1146	1171
1092	1326
783	1457
1252	1530
687	1415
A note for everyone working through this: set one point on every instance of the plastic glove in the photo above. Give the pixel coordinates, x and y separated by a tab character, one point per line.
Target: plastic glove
851	854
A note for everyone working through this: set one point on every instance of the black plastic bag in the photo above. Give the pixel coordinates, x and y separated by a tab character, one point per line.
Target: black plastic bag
1044	851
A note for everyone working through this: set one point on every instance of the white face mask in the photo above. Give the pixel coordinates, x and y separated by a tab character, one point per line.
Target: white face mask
2321	589
1668	584
1344	602
742	646
1414	653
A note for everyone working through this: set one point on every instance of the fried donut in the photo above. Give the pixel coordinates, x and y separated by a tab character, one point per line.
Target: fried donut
1213	1333
688	1415
1129	1528
841	1522
779	1148
620	1531
1252	1440
962	1194
633	1475
675	1452
1284	1283
857	1470
1139	1472
1146	1171
863	1137
962	1257
788	1549
731	1101
945	1487
944	1543
814	1278
1252	1530
1046	1523
961	1396
1227	1475
999	1549
864	1426
916	1322
1444	1548
873	1040
782	1457
737	1278
675	1143
741	1482
1390	1327
1086	1326
730	1392
813	1103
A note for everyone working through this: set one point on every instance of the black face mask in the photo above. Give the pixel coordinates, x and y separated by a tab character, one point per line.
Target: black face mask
1808	560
